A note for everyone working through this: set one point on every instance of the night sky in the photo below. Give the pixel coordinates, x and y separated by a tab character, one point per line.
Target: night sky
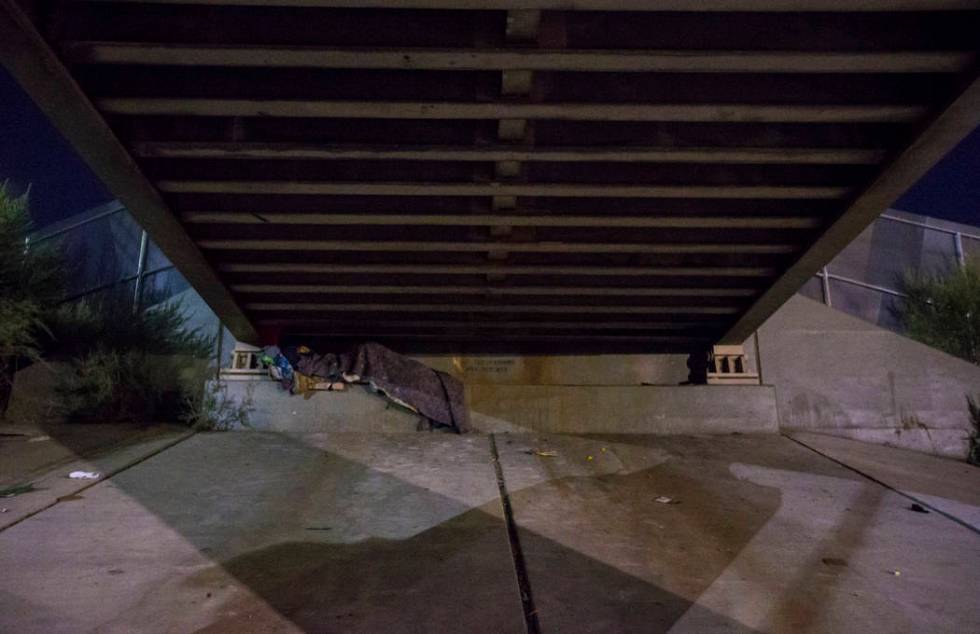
33	153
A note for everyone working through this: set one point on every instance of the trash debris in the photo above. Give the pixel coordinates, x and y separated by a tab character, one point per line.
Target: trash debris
544	453
280	369
84	475
897	573
4	510
588	458
603	450
835	561
38	438
17	490
308	386
663	499
918	508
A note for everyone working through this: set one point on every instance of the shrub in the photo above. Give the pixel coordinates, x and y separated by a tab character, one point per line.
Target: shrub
212	409
128	364
110	322
944	311
31	283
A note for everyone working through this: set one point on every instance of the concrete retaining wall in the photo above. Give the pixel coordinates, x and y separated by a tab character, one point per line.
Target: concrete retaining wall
702	409
354	409
839	375
517	408
603	369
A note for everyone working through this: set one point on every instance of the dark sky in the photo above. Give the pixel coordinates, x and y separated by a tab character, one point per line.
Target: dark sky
951	190
32	152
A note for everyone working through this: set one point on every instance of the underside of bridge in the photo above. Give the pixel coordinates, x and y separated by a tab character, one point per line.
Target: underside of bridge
585	175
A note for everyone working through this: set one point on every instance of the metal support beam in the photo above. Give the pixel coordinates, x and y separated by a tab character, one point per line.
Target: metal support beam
330	325
473	335
302	152
493	308
606	5
36	68
492	291
521	247
506	269
945	131
726	113
373	188
521	60
503	220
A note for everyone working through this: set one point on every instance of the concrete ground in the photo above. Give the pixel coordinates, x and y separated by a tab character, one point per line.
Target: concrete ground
343	532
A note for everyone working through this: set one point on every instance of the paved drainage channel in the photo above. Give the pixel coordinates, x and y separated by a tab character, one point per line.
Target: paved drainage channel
520	568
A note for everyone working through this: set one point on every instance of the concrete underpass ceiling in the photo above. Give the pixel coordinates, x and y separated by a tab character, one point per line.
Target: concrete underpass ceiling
509	176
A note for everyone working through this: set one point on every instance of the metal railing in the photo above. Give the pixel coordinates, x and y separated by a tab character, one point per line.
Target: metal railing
142	273
87	217
138	279
957	235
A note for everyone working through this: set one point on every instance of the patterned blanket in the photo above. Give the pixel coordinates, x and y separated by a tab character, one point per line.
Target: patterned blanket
436	395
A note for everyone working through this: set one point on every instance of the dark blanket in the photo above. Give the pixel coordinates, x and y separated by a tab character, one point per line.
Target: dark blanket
436	395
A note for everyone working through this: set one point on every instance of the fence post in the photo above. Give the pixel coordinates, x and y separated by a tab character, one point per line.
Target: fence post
825	286
140	271
958	244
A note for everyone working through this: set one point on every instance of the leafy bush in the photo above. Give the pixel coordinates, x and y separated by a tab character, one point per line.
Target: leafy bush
31	283
126	364
110	322
944	311
212	409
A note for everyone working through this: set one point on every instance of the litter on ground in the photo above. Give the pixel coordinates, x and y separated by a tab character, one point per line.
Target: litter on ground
16	490
83	475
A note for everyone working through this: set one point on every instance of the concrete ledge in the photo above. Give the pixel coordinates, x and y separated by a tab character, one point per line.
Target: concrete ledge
581	409
354	409
576	409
